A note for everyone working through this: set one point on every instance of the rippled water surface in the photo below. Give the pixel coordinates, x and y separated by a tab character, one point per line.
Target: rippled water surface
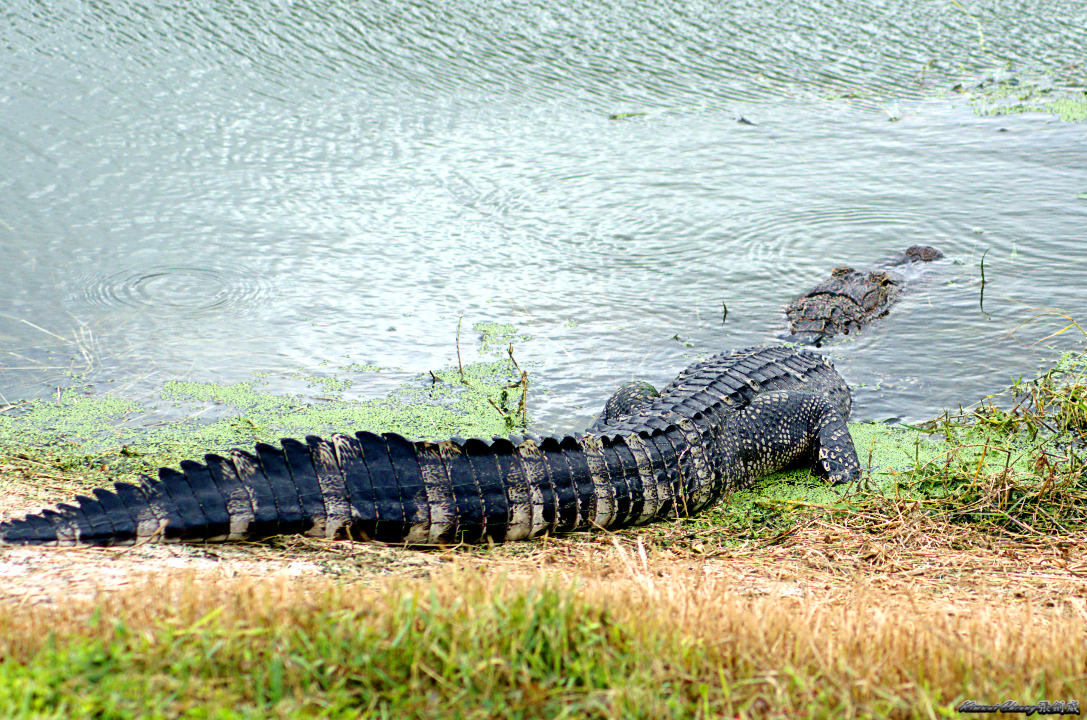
210	189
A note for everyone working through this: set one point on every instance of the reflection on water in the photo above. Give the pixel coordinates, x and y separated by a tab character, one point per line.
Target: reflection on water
212	191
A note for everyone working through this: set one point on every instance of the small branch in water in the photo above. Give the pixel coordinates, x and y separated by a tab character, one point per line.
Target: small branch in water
981	299
495	405
12	406
459	365
524	398
523	382
724	312
509	350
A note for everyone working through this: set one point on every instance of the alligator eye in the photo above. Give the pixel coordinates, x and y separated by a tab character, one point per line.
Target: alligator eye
883	279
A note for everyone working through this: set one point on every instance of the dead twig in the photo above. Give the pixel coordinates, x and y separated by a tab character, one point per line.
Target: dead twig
460	365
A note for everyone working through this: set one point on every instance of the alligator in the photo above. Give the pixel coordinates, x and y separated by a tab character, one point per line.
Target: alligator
851	299
721	424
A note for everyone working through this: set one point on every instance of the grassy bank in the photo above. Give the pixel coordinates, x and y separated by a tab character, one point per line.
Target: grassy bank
653	641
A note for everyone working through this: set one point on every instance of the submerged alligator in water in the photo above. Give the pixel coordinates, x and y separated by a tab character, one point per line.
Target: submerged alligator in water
851	298
720	425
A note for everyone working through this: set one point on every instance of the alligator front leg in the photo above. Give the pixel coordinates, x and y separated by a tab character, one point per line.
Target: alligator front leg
778	428
627	400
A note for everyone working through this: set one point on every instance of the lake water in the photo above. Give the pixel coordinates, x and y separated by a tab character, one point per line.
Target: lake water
209	189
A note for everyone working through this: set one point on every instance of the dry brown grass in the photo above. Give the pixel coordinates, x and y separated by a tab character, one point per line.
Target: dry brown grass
827	620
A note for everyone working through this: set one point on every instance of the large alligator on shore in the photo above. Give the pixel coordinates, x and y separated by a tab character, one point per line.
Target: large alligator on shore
852	298
720	425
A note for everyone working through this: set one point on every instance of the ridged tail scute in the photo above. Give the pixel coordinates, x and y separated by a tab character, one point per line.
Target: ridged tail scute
619	480
34	529
176	492
494	506
516	488
467	493
271	462
620	457
245	468
658	450
300	465
211	501
541	491
124	525
359	494
563	482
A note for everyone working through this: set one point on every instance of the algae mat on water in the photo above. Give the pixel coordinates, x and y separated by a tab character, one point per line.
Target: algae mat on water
86	438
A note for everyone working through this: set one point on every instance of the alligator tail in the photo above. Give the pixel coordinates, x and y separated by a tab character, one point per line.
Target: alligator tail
388	489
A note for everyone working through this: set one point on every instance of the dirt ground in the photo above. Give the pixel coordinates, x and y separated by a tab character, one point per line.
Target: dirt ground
914	560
